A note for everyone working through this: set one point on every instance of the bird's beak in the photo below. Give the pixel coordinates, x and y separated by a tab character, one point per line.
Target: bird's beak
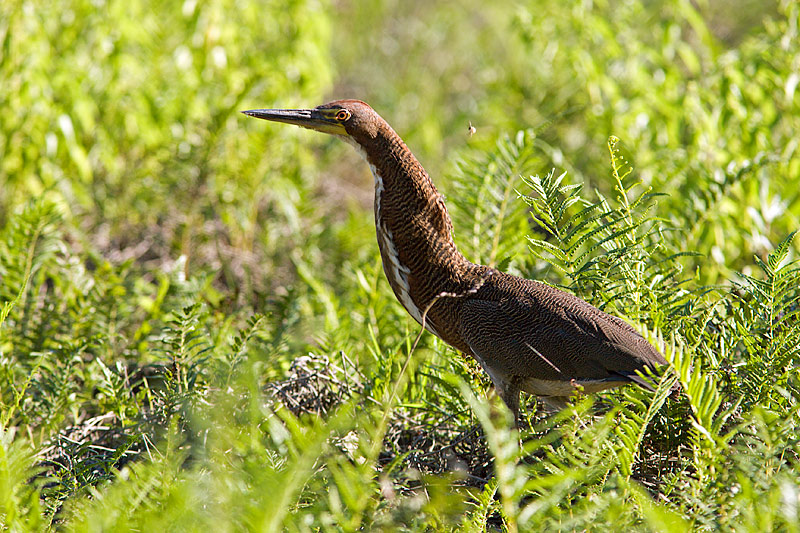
312	119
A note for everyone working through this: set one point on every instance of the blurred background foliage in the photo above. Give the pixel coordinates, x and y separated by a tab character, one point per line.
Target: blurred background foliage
164	260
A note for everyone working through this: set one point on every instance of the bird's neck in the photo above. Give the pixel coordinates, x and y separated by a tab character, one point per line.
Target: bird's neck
414	229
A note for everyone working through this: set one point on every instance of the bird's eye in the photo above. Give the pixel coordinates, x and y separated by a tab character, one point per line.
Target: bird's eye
342	115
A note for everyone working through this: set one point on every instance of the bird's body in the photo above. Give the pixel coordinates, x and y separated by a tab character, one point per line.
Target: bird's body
528	336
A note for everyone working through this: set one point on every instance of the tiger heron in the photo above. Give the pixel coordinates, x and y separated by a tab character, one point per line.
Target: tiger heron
526	335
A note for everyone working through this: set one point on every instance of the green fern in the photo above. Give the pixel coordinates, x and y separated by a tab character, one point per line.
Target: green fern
186	348
613	253
236	352
636	412
572	465
20	507
769	324
504	444
30	240
710	436
484	505
489	220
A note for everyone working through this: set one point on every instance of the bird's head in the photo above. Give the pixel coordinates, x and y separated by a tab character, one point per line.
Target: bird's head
352	120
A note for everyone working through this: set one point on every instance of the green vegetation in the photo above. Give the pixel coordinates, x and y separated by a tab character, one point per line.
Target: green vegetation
195	329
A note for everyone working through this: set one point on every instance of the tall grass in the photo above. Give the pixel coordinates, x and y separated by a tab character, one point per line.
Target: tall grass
195	328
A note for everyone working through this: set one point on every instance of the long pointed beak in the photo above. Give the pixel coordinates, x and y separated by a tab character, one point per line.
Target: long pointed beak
306	118
298	117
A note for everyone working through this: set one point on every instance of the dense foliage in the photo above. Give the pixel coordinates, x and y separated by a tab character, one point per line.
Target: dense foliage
195	329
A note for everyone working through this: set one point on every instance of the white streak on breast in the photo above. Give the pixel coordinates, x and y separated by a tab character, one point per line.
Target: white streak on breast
394	269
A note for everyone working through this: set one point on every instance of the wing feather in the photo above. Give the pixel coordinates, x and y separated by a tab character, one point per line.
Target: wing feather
549	334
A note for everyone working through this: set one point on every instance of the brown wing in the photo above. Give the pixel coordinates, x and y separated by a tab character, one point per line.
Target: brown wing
537	331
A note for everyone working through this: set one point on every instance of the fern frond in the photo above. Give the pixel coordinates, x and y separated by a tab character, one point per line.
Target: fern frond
485	504
30	239
768	319
636	414
705	401
577	456
239	345
612	251
504	444
484	200
185	347
20	508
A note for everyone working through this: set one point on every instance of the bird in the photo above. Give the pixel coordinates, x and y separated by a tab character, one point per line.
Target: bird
526	335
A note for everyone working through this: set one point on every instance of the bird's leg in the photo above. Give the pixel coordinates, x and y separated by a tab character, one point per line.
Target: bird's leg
554	404
502	392
510	395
